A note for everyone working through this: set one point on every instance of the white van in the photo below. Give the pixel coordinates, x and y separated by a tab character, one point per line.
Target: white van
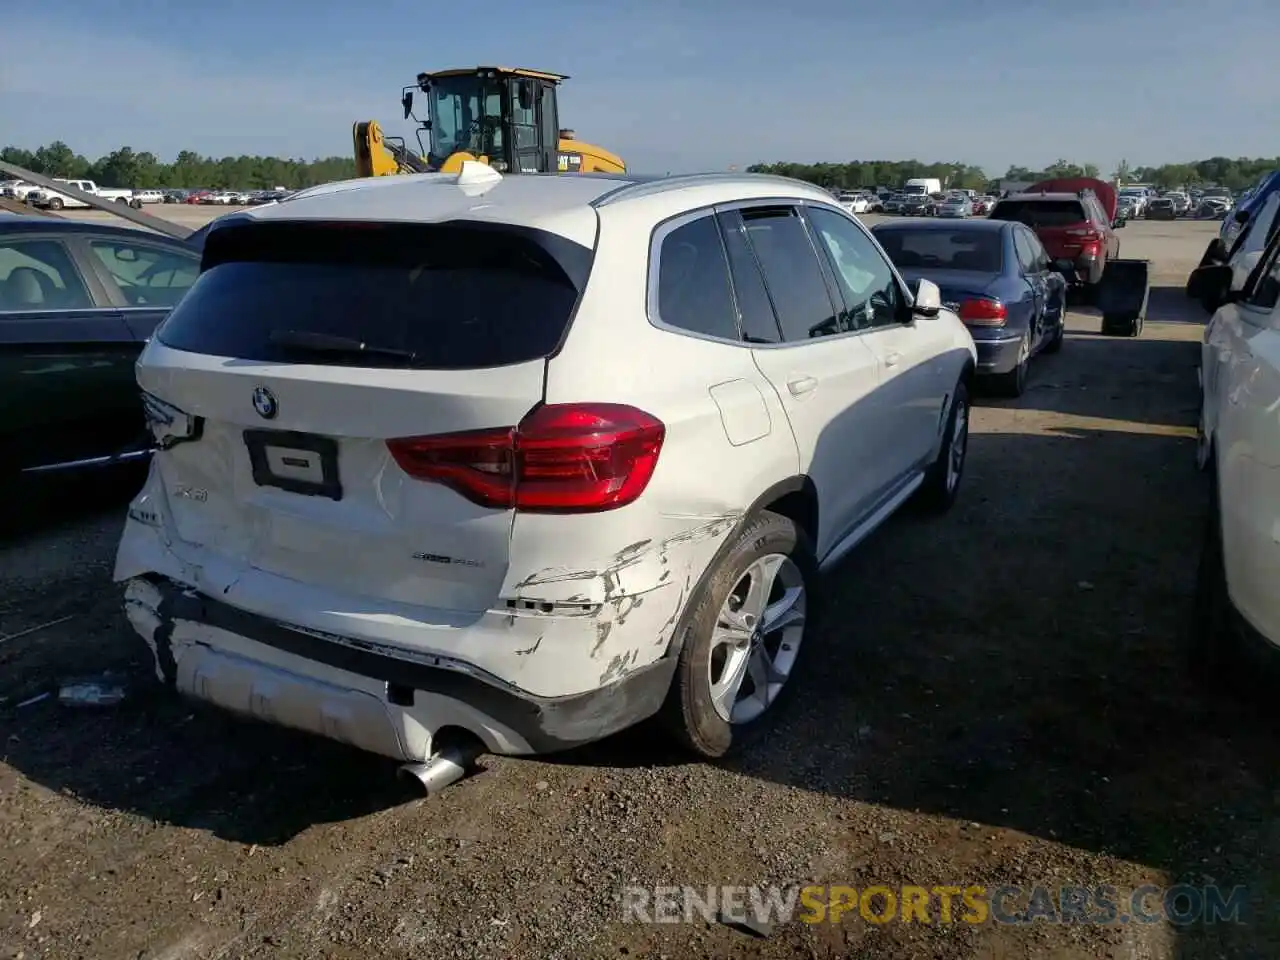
924	185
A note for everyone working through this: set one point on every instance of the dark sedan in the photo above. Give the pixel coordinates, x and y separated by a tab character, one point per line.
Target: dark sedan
998	279
78	301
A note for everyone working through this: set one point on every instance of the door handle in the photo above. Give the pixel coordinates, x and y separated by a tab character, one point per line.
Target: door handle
892	359
801	385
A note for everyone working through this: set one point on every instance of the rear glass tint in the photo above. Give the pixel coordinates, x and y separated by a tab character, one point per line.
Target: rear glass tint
1040	213
413	296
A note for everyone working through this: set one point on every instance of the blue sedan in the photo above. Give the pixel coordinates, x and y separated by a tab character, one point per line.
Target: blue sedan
998	279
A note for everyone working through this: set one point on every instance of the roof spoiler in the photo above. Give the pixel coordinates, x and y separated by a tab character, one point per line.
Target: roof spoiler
125	212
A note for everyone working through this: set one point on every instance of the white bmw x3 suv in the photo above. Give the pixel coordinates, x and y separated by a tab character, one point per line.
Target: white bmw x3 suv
528	459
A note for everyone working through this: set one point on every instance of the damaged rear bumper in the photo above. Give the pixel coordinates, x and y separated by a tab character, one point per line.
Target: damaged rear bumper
361	693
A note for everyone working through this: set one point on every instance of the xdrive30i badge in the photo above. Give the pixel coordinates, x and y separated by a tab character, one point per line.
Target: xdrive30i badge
264	401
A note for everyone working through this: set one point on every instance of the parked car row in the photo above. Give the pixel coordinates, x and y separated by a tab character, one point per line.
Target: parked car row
51	200
44	198
226	198
1204	203
955	204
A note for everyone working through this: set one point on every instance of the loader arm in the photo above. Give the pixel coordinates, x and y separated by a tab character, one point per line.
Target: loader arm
124	212
377	156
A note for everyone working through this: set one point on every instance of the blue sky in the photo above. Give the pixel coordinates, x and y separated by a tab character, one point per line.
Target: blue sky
991	82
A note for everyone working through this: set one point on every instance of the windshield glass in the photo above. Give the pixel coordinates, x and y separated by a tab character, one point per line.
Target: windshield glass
913	190
466	115
926	249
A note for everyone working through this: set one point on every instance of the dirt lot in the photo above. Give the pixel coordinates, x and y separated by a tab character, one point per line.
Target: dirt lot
996	697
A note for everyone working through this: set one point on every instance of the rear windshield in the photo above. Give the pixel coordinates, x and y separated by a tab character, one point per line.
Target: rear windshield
422	297
1040	213
979	250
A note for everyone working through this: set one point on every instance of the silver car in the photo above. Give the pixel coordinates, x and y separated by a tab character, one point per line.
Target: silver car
960	207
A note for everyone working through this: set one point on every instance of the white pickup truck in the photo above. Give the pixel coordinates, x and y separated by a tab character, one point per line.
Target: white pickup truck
57	201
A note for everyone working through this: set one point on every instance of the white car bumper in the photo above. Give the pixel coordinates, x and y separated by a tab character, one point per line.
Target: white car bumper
521	679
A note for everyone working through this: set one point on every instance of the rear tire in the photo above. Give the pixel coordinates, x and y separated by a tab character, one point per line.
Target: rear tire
1059	337
729	630
1014	383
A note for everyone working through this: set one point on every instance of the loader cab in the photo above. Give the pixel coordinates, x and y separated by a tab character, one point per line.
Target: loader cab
508	116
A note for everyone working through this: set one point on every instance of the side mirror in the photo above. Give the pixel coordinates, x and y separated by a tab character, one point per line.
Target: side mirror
1241	216
926	298
1210	284
407	102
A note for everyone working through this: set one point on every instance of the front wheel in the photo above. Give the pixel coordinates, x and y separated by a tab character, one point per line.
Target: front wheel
55	203
741	643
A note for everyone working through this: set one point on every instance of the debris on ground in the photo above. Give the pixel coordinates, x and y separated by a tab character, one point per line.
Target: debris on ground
101	691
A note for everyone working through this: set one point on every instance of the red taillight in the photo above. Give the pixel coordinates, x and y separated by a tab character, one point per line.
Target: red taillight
562	458
982	312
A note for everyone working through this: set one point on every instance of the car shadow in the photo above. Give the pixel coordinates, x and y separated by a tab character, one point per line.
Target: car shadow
43	502
1170	304
1151	381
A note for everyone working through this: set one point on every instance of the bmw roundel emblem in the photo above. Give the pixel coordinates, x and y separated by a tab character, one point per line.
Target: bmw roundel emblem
264	401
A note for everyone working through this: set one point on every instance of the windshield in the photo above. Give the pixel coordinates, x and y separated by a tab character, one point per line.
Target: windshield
1040	213
934	249
466	115
913	190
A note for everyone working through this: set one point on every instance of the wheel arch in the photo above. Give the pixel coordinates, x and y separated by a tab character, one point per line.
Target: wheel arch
794	497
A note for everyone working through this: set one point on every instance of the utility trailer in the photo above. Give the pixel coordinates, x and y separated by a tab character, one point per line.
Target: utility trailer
1122	296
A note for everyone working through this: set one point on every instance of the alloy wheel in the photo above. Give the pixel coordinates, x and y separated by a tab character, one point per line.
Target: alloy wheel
959	444
757	638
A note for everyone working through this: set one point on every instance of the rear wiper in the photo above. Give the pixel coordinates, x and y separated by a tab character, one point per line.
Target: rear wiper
329	343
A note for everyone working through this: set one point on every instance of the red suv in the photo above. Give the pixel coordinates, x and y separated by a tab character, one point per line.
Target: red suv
1074	219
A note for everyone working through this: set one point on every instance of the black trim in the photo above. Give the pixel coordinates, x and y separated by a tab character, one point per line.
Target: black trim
545	723
329	486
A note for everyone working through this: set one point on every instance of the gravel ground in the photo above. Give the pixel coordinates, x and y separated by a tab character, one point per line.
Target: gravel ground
995	697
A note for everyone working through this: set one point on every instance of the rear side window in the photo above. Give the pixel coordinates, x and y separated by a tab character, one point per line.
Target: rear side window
693	281
791	272
146	275
1041	213
755	312
366	295
39	275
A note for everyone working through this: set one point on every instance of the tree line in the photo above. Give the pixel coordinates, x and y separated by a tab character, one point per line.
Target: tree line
144	170
1235	173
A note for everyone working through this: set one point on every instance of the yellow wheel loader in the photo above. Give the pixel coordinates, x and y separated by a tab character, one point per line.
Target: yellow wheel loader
503	116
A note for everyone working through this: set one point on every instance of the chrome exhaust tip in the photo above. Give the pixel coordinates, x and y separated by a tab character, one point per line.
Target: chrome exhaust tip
444	768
